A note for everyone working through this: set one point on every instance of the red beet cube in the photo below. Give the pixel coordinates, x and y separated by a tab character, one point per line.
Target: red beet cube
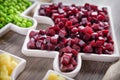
82	43
109	47
76	47
74	52
65	59
62	33
31	44
32	34
88	49
54	40
73	61
39	44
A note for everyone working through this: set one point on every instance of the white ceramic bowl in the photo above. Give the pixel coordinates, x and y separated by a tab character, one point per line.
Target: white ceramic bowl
92	56
20	30
51	71
69	74
20	66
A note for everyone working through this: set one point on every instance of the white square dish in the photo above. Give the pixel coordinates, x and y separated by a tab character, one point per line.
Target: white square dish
51	71
20	66
85	56
20	30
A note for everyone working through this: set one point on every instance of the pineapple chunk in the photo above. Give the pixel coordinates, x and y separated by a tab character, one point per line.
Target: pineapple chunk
54	76
5	59
4	73
7	65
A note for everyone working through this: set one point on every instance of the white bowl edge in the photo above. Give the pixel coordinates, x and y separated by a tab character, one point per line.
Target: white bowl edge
69	74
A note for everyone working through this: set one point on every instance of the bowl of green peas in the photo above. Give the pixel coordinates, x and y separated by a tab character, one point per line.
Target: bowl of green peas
13	16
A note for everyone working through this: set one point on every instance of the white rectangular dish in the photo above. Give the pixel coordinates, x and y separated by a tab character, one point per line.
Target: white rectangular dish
20	30
93	57
51	71
20	66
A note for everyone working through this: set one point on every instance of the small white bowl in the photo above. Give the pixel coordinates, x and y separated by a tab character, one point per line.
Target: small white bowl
20	30
20	66
69	74
51	71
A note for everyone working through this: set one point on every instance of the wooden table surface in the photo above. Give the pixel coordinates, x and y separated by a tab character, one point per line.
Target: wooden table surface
36	68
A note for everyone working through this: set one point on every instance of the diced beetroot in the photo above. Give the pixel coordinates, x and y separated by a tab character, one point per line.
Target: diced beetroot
77	40
100	33
50	32
48	38
48	11
70	67
74	20
99	50
86	37
39	44
42	32
105	32
94	14
74	52
88	30
84	21
73	61
87	6
67	68
67	49
94	7
101	17
61	45
74	30
43	47
64	20
65	59
62	33
61	11
105	10
79	15
95	27
54	40
56	29
57	20
55	15
82	43
109	47
108	52
68	23
31	44
88	49
50	46
76	47
95	36
99	43
32	34
61	25
42	12
92	43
